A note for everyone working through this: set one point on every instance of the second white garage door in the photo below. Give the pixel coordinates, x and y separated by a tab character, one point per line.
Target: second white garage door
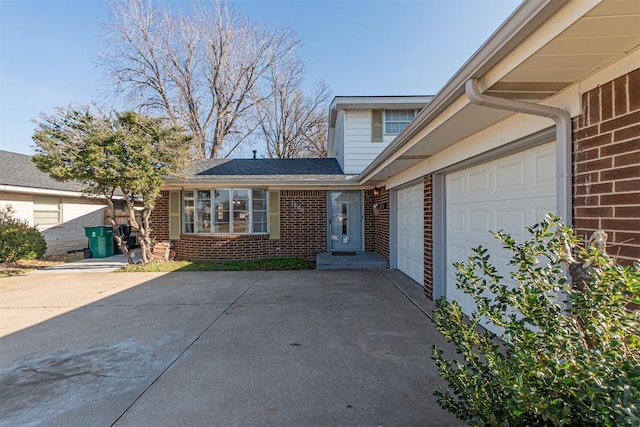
510	193
410	209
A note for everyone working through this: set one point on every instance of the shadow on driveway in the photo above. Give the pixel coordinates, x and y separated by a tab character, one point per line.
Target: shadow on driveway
218	348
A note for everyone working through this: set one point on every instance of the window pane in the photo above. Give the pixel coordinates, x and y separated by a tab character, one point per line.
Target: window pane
259	205
240	211
259	194
259	222
188	212
240	222
221	227
203	212
221	211
397	120
46	218
46	210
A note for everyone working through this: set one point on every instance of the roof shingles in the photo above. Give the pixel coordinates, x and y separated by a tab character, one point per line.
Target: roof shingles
18	170
265	167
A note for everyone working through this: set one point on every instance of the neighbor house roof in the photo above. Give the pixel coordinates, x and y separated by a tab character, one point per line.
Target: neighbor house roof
17	170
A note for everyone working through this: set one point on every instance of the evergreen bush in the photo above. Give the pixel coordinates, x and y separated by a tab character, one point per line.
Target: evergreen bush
19	240
570	349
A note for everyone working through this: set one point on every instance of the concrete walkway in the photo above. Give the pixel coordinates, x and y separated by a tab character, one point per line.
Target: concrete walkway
89	265
297	348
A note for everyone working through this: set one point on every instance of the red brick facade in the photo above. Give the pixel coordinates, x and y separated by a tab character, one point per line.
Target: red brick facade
369	221
303	232
381	221
606	155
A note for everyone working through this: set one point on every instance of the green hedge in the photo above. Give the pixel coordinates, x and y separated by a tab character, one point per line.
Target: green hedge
18	240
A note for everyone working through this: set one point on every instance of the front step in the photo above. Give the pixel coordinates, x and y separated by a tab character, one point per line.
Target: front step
357	261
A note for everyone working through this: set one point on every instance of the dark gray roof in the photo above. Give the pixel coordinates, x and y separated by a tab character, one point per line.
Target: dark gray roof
265	167
18	170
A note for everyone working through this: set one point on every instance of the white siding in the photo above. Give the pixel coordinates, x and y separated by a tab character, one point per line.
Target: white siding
22	205
77	213
338	145
359	150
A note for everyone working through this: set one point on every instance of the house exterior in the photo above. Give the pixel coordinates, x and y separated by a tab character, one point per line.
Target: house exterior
257	208
58	209
544	117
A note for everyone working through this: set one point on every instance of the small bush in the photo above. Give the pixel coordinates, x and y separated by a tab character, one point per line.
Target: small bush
571	351
18	240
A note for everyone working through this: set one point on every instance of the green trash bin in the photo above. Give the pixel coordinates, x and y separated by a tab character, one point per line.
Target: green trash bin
100	241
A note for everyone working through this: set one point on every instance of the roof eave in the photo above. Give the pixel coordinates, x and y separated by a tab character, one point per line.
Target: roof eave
522	22
264	181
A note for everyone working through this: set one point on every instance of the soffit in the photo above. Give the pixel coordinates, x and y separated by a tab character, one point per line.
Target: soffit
603	35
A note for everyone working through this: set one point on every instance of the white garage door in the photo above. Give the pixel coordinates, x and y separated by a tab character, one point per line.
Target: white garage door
410	209
510	193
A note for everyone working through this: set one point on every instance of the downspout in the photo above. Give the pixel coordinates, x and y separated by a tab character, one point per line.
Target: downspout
562	120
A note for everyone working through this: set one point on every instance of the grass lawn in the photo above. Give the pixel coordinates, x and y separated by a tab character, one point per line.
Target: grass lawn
251	265
8	269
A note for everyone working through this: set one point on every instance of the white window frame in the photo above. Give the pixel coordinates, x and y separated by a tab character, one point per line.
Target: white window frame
250	210
406	122
48	202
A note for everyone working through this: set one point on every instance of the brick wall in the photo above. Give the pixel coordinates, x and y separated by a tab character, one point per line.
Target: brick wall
428	236
381	225
303	223
160	218
369	221
302	232
606	154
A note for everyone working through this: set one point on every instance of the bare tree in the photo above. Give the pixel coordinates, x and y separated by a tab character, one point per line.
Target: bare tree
197	69
291	123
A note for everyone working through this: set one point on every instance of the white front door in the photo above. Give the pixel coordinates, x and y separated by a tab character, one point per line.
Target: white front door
345	221
509	193
410	242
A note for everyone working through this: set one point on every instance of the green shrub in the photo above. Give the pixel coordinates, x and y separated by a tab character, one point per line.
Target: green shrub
18	240
570	353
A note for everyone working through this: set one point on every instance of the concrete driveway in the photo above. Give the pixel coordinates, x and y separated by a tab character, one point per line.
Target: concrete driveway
296	348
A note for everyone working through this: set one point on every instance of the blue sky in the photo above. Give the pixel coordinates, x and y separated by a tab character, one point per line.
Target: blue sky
359	47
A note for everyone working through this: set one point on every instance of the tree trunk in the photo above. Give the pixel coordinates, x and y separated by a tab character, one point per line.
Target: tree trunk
122	244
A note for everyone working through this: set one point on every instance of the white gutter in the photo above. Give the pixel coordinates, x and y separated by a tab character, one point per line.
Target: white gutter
51	192
562	120
33	190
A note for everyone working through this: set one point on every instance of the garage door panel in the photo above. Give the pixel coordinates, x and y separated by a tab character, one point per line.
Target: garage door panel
410	254
510	176
456	187
479	182
479	220
545	170
521	193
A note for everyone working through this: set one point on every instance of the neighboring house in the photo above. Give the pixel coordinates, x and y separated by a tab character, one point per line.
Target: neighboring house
545	117
58	209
